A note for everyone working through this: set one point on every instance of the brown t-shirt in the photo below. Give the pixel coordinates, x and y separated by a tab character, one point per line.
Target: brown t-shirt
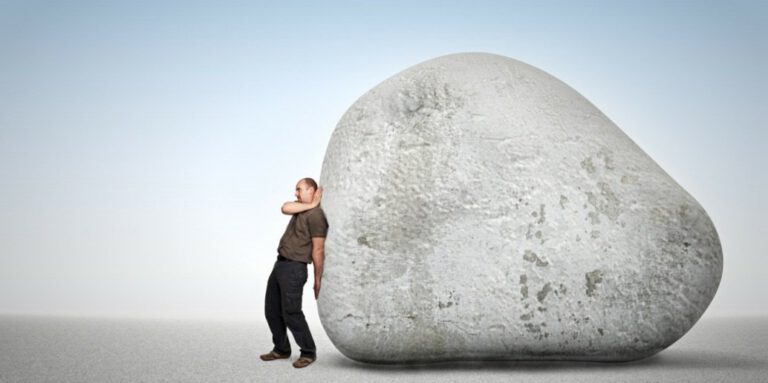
296	243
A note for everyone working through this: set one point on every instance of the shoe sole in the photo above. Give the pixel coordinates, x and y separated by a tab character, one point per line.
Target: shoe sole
302	365
271	358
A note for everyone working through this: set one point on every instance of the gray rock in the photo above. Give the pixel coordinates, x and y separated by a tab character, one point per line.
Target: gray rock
482	209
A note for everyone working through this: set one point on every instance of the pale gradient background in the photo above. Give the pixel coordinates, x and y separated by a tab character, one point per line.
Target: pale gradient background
146	147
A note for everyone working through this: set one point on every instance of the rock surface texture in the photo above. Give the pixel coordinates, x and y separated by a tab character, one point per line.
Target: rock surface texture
479	208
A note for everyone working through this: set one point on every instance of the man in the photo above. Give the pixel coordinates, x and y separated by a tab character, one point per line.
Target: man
302	243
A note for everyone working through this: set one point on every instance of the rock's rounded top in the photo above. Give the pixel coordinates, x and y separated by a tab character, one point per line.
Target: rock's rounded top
481	208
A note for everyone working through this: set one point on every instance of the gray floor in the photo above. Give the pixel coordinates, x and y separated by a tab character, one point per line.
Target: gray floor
40	349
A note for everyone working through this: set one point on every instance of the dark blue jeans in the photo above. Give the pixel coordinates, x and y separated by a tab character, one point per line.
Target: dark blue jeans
282	307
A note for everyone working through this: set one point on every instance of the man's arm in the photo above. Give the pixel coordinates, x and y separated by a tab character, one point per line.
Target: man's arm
318	257
296	207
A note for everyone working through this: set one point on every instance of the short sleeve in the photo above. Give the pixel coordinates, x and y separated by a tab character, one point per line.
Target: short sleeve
318	225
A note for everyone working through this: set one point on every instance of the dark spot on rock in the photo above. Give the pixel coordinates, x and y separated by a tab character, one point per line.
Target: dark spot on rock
524	287
587	165
593	278
530	256
363	241
599	330
533	328
541	295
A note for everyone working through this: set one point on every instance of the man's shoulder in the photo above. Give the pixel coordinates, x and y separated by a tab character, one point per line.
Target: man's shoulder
315	214
315	211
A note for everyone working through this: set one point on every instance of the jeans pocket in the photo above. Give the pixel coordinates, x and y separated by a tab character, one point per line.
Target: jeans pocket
292	304
299	277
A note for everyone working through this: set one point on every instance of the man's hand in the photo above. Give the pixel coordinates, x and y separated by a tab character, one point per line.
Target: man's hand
316	198
317	288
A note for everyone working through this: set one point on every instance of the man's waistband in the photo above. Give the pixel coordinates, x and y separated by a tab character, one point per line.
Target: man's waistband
280	258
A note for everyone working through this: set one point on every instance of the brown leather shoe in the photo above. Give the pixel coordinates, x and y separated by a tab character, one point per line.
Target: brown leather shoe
272	356
303	361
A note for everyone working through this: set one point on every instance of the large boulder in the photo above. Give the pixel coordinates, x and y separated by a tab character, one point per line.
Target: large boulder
479	208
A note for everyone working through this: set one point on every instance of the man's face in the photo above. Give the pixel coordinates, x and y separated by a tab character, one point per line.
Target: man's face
304	193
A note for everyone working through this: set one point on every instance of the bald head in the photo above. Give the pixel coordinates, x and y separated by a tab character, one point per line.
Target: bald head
309	182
